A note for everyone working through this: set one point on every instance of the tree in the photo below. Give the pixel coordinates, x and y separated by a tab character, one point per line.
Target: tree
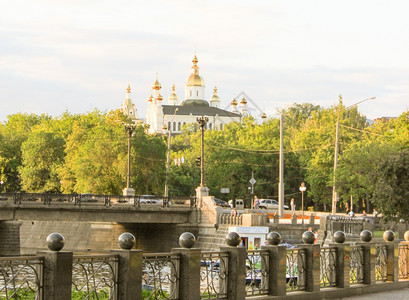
42	154
391	185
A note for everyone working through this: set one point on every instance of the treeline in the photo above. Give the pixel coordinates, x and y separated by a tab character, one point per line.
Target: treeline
88	154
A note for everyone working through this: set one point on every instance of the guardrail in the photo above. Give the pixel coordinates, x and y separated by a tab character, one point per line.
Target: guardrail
94	199
188	273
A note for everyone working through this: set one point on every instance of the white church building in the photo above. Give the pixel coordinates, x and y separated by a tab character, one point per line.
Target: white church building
173	115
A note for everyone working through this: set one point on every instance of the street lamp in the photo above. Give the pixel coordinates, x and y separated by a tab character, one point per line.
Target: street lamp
334	192
303	188
168	156
1	185
202	123
129	128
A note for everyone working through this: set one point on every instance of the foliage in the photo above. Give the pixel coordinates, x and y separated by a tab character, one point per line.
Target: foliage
391	185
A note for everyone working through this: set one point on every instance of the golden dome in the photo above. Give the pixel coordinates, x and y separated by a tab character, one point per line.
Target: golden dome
263	115
150	99
234	102
243	100
156	85
173	96
195	79
159	97
215	98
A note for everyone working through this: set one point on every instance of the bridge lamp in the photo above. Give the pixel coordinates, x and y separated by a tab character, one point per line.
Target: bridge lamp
303	188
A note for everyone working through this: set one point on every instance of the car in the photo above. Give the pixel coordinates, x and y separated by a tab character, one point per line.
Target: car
270	204
219	202
150	199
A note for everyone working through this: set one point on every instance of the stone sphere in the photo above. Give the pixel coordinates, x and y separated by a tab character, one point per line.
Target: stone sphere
388	236
233	239
308	237
187	240
273	238
55	242
126	241
366	236
406	236
339	237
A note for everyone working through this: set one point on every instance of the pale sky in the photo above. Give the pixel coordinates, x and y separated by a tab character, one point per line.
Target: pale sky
79	55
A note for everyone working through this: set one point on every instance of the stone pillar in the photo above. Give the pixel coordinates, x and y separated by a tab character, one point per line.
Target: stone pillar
10	238
189	280
312	267
392	261
368	263
406	253
343	261
236	288
276	218
312	219
276	270
57	275
129	274
294	219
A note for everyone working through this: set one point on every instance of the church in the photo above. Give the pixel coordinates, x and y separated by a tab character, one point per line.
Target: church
162	118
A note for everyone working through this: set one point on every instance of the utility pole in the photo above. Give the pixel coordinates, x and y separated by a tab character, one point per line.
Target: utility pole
202	123
334	191
128	191
281	173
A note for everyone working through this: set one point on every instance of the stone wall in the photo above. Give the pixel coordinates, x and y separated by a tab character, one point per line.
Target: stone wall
98	236
9	237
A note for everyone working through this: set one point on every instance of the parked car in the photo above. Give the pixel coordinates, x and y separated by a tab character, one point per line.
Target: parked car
270	204
150	199
219	202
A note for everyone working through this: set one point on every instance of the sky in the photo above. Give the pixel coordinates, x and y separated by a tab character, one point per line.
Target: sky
76	56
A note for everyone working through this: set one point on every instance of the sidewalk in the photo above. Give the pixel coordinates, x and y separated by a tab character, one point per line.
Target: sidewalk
395	295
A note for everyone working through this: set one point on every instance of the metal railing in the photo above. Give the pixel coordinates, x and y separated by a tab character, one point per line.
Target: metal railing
403	261
160	276
95	276
21	277
328	267
214	272
257	272
296	269
380	262
356	267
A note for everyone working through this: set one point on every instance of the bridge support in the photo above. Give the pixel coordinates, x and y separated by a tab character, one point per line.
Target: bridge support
10	238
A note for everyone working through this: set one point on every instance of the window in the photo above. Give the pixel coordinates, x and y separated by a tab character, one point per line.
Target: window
197	93
179	126
169	126
210	126
221	126
174	126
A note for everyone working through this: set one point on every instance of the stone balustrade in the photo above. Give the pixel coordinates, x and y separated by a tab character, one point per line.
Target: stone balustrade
339	270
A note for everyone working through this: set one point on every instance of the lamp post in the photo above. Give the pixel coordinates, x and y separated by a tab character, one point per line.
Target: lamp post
202	123
303	188
334	192
1	185
168	156
129	128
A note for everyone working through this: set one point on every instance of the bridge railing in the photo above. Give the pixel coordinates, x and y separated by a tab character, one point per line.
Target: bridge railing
189	273
22	198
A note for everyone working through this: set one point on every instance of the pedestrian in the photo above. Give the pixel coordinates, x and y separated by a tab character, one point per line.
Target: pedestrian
375	213
364	213
292	204
346	207
256	202
233	213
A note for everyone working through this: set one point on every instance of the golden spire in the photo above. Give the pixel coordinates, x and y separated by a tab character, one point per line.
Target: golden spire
234	102
150	99
156	85
128	89
243	100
